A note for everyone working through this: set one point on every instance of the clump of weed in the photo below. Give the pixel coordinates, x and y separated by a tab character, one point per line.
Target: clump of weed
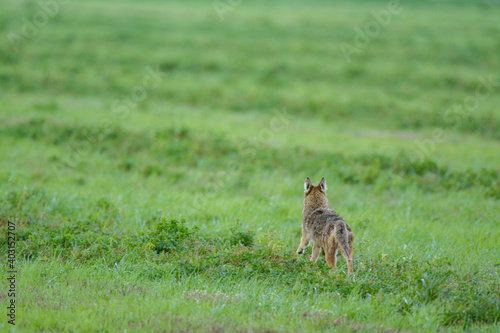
241	237
168	236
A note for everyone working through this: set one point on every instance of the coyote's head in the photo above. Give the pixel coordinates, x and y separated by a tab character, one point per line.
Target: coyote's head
315	196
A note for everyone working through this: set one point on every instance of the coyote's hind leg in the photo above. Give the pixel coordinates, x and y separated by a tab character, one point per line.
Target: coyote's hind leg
315	252
331	255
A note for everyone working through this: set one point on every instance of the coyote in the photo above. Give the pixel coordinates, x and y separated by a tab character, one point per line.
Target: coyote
325	228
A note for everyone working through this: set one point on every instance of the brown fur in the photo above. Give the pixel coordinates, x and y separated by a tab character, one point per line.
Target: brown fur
324	227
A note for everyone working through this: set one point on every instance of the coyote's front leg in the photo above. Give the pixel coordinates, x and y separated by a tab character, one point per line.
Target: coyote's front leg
303	242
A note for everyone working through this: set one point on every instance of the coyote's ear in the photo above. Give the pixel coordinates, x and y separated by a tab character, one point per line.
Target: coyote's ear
307	185
322	184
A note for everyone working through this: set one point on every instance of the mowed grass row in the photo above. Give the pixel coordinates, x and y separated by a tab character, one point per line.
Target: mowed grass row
98	249
262	56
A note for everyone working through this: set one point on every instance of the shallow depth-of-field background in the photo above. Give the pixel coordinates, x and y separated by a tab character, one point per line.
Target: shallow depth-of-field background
153	154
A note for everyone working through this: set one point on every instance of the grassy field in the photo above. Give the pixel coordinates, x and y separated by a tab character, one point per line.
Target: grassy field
153	154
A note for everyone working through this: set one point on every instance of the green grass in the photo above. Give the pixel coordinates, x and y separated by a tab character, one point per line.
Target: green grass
183	212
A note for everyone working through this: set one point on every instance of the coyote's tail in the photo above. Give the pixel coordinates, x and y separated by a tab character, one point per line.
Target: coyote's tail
343	239
338	238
